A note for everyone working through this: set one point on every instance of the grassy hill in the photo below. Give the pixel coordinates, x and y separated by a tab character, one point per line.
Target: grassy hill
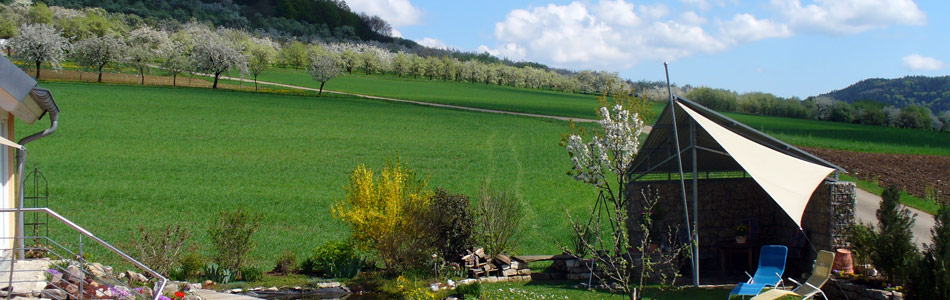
130	155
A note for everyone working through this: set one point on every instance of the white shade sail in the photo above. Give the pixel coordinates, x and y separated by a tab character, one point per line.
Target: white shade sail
788	180
9	143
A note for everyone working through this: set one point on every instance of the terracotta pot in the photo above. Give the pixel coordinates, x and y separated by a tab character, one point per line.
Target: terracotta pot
843	262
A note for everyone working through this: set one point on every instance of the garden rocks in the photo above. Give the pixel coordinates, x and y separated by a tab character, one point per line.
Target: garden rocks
327	285
99	271
136	276
74	274
55	294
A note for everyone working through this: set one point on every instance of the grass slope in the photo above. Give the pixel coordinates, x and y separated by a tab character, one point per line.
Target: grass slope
129	155
852	137
449	92
799	132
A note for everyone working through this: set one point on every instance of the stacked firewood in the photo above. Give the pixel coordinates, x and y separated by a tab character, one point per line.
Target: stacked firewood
493	269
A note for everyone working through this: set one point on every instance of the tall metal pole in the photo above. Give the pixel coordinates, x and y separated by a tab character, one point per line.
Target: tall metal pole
679	161
695	235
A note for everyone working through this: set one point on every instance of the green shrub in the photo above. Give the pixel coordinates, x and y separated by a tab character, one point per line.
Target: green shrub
286	264
216	273
450	224
468	291
334	259
159	247
231	238
189	267
894	250
251	274
931	275
862	238
497	217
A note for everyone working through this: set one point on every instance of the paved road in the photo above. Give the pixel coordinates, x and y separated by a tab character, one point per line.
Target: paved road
866	207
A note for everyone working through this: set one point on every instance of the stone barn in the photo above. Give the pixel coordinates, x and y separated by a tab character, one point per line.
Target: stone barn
722	174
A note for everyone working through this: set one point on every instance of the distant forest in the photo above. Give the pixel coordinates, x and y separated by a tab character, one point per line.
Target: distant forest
304	19
929	92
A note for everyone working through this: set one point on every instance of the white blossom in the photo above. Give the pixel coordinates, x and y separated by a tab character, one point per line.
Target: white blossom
216	55
323	67
39	43
613	150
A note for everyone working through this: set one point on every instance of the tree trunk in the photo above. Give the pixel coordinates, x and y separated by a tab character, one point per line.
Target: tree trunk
321	88
215	85
255	83
174	79
38	70
100	74
142	73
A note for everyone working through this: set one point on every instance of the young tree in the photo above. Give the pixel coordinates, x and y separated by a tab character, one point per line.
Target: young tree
260	55
604	162
894	249
216	55
39	13
39	43
175	59
145	47
351	60
370	61
931	277
293	55
9	24
323	67
401	64
97	52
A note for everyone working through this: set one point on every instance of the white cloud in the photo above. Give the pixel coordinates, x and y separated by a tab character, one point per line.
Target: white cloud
700	4
745	28
849	16
610	34
396	33
396	12
692	18
917	62
432	43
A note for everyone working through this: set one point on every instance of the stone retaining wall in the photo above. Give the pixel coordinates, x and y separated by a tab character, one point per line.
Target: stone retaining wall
836	289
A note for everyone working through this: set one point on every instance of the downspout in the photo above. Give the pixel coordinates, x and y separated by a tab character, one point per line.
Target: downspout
44	99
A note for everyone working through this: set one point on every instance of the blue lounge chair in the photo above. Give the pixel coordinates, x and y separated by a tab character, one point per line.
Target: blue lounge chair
768	273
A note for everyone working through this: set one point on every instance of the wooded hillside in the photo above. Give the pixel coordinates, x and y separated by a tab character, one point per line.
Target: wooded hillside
929	92
308	19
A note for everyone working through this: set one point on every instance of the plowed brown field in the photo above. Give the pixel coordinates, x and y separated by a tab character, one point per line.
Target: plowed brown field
914	173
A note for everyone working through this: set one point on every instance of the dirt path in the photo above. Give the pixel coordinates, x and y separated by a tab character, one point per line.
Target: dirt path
646	129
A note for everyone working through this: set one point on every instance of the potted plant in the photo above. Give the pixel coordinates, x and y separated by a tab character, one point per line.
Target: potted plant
740	231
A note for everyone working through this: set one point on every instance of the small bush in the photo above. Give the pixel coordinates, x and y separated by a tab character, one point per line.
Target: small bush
497	218
333	259
189	267
286	264
251	274
158	248
384	213
450	224
468	291
231	238
862	238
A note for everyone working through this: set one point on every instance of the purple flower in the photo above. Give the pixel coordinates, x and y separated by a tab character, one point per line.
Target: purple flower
162	297
54	272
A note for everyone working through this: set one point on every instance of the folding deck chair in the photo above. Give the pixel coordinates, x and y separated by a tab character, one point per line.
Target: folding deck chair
768	273
820	274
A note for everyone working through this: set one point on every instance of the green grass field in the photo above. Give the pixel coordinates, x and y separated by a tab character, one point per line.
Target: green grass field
450	92
852	137
799	132
130	155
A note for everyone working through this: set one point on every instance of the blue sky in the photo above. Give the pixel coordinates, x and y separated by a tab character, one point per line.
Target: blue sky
786	47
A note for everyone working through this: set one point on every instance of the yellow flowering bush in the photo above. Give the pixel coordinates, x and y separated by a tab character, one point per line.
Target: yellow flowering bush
383	213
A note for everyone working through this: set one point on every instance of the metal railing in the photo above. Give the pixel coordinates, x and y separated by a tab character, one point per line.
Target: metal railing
57	250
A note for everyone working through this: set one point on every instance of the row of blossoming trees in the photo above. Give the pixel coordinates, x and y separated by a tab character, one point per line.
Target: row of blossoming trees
97	40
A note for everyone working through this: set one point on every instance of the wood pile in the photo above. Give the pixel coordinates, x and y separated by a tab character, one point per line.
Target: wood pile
500	268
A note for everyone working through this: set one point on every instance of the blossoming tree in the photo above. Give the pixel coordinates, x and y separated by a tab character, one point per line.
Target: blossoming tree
603	160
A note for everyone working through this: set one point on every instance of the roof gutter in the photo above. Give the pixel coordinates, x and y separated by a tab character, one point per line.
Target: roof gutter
44	99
